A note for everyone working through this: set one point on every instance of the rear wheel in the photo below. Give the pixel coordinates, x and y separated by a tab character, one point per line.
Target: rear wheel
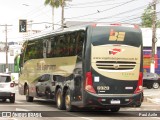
115	109
28	98
155	85
60	100
68	105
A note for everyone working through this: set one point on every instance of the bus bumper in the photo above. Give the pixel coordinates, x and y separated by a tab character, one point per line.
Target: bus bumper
133	100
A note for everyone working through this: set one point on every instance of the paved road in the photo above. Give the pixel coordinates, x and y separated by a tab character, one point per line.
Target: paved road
48	110
152	95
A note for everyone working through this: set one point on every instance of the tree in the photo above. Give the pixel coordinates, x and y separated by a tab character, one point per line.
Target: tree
147	18
56	4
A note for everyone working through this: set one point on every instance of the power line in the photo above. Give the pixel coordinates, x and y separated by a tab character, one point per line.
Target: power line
103	10
137	17
132	10
68	7
93	2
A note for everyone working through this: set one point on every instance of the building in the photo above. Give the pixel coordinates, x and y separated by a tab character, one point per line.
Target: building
147	49
13	50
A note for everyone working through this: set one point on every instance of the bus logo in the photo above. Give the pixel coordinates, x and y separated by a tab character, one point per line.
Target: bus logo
116	36
116	66
115	51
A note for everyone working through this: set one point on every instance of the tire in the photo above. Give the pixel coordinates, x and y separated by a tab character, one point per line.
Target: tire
138	105
60	100
115	109
12	100
155	85
28	98
149	86
68	105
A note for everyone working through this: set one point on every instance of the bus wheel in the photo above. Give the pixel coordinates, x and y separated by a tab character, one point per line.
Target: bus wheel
28	98
68	105
149	86
138	105
60	100
115	109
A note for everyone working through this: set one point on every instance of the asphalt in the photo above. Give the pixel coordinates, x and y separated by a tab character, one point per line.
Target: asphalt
152	95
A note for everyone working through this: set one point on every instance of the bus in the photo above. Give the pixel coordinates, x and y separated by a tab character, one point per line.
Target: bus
16	63
96	66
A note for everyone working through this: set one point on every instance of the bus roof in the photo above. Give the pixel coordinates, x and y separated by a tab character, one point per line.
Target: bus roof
77	28
58	31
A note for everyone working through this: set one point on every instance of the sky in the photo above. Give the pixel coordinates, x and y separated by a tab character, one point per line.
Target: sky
11	11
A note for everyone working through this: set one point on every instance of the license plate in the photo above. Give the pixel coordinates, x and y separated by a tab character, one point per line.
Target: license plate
115	102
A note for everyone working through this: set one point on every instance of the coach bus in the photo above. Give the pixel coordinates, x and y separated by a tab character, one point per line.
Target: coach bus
96	66
16	63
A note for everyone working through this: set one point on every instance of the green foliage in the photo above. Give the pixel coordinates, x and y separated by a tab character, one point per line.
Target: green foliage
54	3
147	18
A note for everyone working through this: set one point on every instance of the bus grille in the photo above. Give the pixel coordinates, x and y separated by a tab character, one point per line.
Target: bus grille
115	65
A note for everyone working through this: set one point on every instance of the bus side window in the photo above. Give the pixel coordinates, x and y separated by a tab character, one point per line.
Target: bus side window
62	45
44	49
68	44
49	47
80	43
72	44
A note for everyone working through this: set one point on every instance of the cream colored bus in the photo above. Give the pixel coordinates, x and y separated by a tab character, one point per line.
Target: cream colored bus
98	66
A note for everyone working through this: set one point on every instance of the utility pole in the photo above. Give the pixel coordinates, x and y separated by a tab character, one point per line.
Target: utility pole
62	19
6	46
52	18
152	67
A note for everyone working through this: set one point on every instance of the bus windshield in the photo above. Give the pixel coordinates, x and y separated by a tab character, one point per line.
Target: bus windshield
100	36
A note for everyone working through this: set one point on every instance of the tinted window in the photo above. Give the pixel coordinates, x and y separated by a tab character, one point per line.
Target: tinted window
34	50
100	36
5	79
67	44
